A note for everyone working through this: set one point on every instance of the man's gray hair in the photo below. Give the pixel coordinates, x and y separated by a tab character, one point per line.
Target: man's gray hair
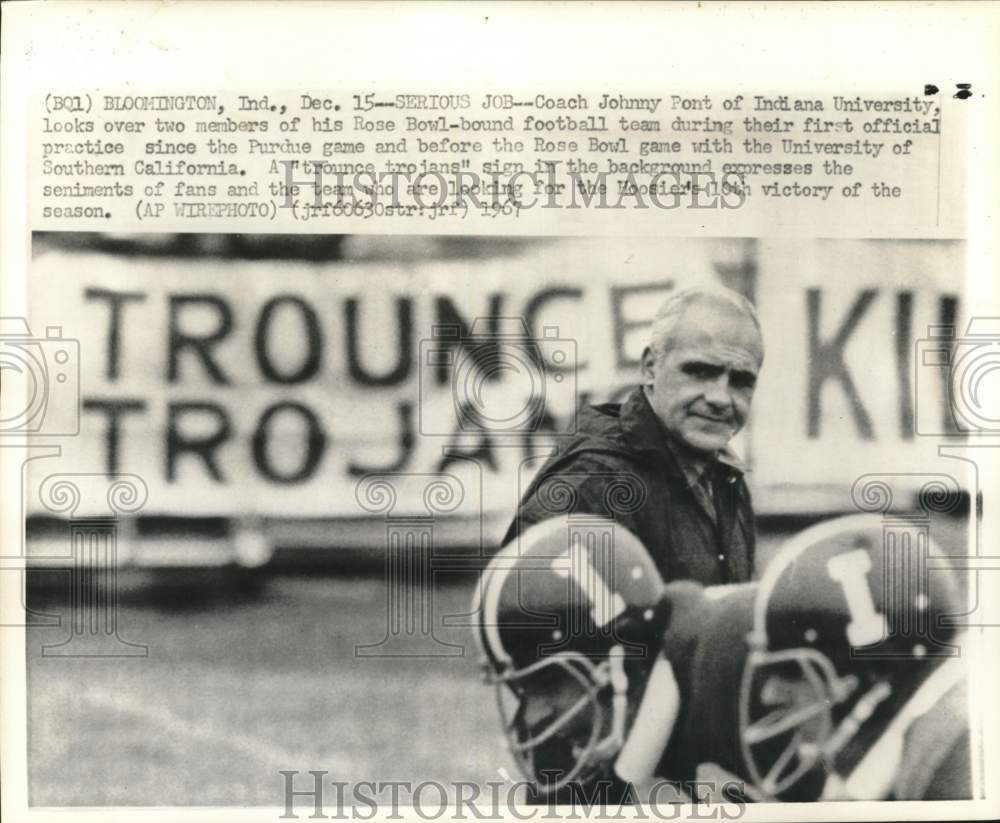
673	308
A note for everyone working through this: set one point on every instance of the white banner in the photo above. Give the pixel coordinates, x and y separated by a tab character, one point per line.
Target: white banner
273	387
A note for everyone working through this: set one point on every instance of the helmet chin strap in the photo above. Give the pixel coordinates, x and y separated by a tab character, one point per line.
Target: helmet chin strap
619	705
852	724
811	754
619	700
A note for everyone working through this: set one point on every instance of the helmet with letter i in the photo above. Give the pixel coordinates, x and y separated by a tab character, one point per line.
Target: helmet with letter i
569	617
851	621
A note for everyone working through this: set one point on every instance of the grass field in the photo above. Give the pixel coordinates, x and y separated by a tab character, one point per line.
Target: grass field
233	692
236	689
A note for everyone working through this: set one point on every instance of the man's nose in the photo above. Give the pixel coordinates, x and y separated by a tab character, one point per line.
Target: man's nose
717	392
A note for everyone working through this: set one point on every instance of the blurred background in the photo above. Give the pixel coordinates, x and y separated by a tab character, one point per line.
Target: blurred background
293	454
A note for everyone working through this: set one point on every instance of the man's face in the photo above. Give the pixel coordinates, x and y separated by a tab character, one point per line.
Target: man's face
702	385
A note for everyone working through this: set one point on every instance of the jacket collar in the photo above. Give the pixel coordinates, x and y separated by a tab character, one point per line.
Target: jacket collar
727	457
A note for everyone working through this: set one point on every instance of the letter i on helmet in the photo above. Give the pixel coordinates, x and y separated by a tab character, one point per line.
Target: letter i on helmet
569	617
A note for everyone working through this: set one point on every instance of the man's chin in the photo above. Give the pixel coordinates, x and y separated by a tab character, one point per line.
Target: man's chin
708	443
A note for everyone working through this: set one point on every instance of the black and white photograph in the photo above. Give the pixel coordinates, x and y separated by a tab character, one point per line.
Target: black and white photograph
440	411
603	515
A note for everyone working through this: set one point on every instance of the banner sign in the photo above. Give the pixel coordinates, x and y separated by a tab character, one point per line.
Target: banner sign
847	388
274	388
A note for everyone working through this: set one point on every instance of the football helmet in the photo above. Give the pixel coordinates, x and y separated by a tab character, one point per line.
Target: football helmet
849	619
569	617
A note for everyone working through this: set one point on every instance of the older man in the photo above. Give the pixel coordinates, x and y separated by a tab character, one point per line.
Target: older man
669	440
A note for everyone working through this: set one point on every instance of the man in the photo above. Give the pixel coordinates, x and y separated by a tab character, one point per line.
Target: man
667	443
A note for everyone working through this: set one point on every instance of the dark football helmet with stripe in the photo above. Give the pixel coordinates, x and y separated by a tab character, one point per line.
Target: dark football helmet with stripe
852	622
569	617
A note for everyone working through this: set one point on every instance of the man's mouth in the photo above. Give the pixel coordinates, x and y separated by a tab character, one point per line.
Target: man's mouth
722	421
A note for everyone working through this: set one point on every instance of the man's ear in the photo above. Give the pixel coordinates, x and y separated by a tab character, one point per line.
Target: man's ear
647	366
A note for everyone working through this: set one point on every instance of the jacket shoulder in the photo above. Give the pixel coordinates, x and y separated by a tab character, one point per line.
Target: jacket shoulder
585	461
598	431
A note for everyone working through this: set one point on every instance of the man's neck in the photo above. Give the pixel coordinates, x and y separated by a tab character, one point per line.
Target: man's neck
694	463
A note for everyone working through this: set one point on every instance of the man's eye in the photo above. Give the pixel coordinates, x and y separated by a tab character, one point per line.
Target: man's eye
742	380
701	370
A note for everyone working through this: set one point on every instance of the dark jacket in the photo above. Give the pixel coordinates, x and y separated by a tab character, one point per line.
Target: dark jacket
619	465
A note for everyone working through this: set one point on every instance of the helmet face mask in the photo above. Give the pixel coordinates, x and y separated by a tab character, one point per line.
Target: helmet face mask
788	707
569	623
559	718
843	634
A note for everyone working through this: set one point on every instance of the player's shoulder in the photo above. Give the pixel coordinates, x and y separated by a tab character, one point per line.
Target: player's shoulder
705	623
937	751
